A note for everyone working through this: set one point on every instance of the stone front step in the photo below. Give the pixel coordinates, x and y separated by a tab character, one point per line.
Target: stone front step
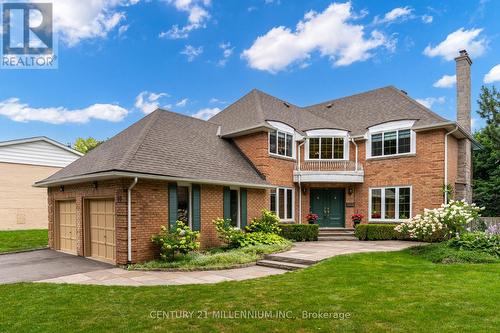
337	238
336	233
280	265
277	257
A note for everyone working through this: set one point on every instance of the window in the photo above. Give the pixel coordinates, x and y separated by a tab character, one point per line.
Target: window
234	207
183	204
282	203
391	143
325	148
390	203
281	143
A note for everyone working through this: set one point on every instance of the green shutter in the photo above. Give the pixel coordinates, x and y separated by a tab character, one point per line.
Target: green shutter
196	207
227	203
172	204
243	206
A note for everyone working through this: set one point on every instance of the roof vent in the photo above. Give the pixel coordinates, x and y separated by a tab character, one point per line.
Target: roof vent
329	105
404	91
286	104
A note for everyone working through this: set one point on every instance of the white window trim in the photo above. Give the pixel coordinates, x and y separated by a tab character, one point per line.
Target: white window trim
276	154
413	141
277	200
382	198
346	149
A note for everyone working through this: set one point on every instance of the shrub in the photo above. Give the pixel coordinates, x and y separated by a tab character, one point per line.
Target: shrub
299	232
228	234
267	223
261	238
180	239
477	241
376	232
440	223
442	253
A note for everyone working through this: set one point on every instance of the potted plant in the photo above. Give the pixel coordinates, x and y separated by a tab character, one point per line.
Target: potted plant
356	219
312	218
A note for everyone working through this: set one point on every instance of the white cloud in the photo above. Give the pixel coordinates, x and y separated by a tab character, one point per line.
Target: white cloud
430	101
206	113
446	81
13	109
198	14
182	102
192	52
329	32
493	75
459	40
427	19
397	14
148	102
77	20
227	51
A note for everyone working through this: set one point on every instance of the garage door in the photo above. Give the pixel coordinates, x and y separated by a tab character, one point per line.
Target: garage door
102	229
67	226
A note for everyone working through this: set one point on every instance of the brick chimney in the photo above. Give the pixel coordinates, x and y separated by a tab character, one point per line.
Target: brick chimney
463	185
463	90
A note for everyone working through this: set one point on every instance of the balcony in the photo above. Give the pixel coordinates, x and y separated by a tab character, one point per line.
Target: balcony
328	171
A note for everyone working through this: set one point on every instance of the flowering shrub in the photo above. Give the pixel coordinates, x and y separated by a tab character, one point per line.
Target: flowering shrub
261	238
179	239
493	230
312	218
267	223
440	223
227	233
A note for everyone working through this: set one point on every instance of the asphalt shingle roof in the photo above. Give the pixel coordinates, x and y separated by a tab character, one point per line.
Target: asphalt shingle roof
168	144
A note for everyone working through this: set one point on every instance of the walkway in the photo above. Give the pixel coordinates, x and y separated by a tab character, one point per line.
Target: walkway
310	251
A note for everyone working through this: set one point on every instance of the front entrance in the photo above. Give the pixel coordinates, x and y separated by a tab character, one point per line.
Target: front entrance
329	205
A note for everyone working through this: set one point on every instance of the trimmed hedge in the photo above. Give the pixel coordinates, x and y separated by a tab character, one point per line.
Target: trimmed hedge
299	232
377	232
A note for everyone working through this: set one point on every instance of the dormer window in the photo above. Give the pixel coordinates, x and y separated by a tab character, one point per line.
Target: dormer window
327	145
281	140
394	138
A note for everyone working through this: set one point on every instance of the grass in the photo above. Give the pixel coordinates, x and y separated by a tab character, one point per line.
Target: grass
382	292
18	240
215	259
441	253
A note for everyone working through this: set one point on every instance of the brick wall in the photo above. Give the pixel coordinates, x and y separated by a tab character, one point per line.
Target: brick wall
149	213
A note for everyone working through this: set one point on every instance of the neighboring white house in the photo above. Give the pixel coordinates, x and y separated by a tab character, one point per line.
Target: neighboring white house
22	163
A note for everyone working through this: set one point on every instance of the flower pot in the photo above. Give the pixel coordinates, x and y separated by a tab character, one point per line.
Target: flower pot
311	221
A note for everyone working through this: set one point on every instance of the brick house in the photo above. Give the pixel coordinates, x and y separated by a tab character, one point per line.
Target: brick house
378	153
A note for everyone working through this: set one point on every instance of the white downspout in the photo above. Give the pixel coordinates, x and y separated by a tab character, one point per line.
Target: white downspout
300	185
356	145
446	164
129	220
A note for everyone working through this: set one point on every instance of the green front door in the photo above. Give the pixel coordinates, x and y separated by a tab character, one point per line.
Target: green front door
329	205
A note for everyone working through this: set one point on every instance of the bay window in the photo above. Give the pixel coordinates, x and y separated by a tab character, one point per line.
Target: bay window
391	143
282	203
281	143
390	203
326	148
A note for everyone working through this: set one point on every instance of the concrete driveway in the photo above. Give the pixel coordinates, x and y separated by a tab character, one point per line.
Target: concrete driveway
44	264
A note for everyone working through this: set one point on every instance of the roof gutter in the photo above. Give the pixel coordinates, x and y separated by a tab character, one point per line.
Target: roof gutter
126	174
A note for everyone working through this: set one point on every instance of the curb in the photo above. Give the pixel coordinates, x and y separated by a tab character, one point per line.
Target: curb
23	251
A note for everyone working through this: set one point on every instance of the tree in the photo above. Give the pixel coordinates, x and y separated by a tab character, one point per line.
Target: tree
486	163
86	145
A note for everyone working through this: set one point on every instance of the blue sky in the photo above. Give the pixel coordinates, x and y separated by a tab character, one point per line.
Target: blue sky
119	59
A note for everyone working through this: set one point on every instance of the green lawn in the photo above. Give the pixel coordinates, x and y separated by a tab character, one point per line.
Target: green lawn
18	240
383	292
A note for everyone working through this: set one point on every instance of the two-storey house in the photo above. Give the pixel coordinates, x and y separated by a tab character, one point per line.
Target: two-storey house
379	153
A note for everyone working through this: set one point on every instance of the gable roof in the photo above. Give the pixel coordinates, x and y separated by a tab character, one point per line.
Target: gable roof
37	151
165	144
353	113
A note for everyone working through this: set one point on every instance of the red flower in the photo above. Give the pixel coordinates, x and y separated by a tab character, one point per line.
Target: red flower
357	217
312	217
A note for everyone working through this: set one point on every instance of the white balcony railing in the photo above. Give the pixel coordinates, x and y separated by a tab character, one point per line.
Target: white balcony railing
329	171
328	165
